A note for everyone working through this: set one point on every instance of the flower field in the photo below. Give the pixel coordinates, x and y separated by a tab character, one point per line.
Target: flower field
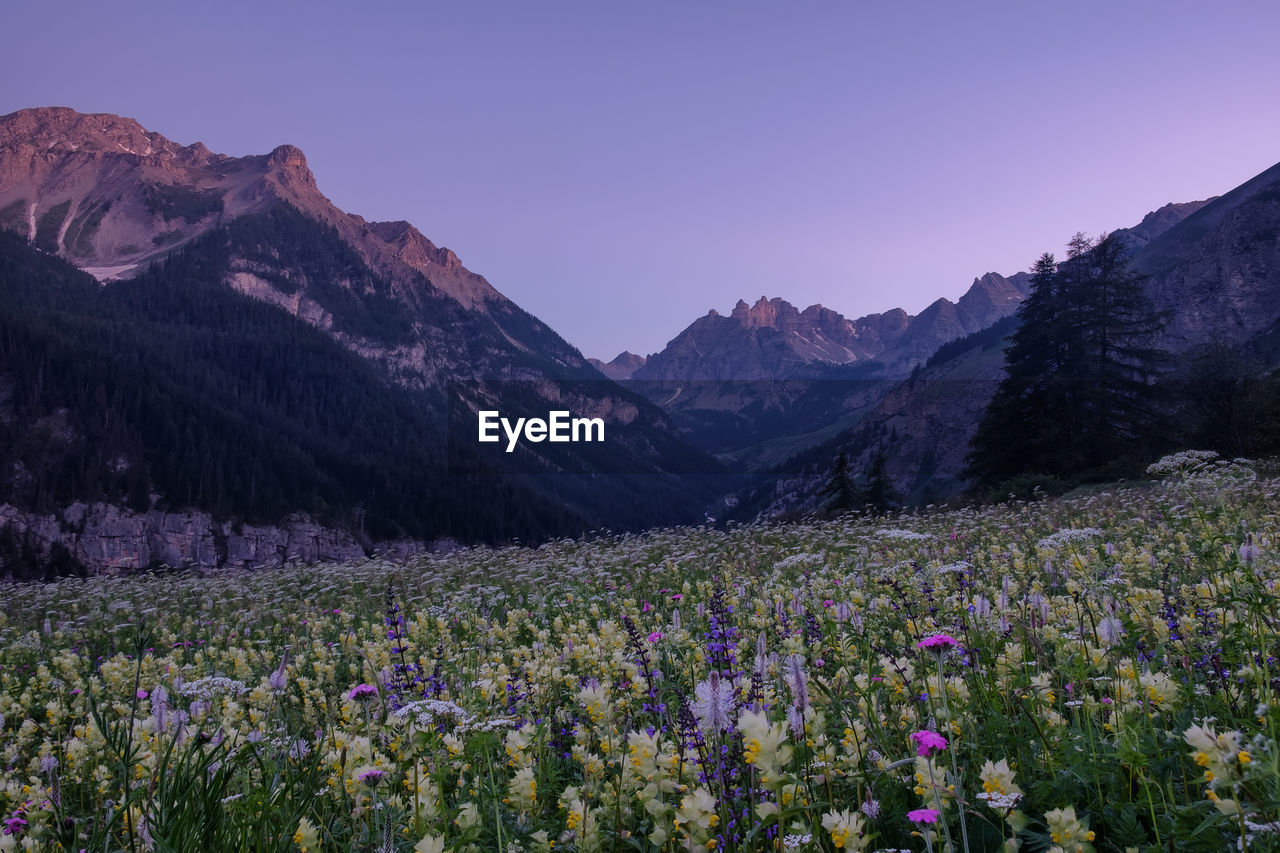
1094	673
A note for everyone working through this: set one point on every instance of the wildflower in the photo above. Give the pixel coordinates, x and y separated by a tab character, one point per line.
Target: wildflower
764	745
870	807
997	778
371	776
1110	630
1068	833
798	683
846	830
1218	754
696	818
363	693
468	816
211	686
307	837
522	790
277	680
15	824
938	642
713	704
923	815
1248	551
429	844
928	743
655	636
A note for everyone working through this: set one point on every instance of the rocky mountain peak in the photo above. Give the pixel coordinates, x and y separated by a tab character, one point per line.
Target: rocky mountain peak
59	130
287	166
766	313
287	156
1158	221
413	247
622	367
110	196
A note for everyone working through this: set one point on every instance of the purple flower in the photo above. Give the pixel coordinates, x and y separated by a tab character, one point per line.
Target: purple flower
928	742
363	693
15	824
713	704
277	679
655	636
923	815
371	777
938	642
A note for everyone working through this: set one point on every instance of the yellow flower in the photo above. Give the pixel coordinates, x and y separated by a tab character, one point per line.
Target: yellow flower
307	837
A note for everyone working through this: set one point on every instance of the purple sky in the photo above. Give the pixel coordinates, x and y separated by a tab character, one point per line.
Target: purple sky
618	169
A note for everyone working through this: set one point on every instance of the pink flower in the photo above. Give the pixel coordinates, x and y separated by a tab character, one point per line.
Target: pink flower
928	742
939	642
646	607
363	693
655	636
677	596
923	815
141	694
826	602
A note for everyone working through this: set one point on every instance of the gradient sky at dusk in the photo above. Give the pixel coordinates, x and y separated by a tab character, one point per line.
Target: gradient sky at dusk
618	169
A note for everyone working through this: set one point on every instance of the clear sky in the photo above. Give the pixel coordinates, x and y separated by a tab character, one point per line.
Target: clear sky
620	168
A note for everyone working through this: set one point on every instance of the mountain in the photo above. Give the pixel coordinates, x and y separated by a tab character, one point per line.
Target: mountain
111	197
768	380
774	340
1217	271
1213	269
256	352
622	367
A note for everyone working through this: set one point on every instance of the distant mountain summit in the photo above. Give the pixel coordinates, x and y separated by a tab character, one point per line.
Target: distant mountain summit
774	340
622	367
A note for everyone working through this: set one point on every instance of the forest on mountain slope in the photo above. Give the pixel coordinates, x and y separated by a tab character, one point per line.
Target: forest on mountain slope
172	391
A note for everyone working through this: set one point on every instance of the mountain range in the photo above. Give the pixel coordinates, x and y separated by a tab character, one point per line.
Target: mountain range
203	360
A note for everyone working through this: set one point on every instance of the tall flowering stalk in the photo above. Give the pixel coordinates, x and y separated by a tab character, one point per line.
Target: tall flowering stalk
939	645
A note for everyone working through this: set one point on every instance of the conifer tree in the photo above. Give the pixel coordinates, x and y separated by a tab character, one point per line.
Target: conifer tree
839	490
1078	395
879	496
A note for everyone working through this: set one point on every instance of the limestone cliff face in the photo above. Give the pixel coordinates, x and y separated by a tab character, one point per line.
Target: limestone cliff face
1217	271
107	538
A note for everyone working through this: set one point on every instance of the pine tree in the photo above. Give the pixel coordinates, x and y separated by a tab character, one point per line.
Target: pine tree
840	491
1078	395
879	496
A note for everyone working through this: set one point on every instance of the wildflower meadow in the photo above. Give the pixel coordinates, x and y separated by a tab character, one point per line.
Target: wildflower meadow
1096	673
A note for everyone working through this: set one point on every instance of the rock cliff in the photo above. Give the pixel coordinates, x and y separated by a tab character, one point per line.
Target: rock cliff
108	538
